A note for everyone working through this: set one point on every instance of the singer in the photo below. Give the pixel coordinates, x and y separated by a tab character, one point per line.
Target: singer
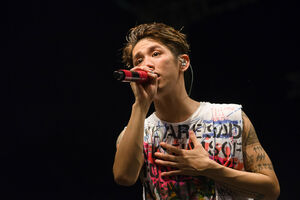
186	149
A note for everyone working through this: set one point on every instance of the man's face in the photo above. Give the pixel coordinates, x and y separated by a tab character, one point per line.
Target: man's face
152	54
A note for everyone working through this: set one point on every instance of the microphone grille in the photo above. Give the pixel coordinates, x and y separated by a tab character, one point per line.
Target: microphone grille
119	75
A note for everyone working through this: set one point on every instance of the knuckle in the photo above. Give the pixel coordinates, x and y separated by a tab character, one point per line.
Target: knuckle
136	68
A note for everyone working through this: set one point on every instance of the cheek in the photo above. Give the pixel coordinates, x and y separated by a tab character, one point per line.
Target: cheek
169	74
166	65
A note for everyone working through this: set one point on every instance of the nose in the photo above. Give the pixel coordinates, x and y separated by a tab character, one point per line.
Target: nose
149	63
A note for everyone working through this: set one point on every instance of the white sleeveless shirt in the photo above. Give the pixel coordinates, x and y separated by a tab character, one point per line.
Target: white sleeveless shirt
218	128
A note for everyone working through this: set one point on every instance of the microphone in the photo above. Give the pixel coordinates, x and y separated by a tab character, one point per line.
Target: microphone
128	76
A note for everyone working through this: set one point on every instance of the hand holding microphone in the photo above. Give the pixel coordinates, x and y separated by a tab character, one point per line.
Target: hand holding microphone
143	81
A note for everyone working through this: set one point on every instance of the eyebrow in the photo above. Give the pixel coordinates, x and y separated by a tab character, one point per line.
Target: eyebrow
149	50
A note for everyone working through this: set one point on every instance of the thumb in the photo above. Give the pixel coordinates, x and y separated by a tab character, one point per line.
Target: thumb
193	138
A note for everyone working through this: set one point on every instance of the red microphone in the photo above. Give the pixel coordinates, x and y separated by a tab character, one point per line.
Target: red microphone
128	76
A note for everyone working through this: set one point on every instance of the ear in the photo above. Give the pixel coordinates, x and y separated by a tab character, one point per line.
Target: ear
184	62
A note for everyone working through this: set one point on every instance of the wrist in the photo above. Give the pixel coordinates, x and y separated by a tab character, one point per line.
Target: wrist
141	107
214	169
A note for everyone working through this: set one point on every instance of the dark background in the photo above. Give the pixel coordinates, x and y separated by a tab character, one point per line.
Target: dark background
62	111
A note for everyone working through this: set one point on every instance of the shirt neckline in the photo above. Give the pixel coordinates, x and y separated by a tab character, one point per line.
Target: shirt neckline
185	121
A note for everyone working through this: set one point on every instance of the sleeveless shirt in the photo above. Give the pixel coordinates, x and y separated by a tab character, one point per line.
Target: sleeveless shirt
218	128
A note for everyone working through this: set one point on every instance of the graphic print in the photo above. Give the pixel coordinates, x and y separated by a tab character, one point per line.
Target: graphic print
219	135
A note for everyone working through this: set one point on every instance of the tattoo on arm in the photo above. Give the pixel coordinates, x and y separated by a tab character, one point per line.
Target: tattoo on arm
255	157
249	134
262	161
252	137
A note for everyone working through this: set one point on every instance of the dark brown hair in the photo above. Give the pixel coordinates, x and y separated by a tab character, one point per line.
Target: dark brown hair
168	36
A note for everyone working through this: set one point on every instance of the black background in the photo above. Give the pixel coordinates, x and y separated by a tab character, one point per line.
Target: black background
62	111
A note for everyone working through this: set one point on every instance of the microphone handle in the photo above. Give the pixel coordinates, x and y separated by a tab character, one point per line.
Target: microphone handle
128	76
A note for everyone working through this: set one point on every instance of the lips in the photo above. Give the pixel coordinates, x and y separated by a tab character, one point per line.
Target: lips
156	74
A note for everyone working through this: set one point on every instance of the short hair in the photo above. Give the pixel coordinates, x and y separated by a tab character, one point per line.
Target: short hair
167	35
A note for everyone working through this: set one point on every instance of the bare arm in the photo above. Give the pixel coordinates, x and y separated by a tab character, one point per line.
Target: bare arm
259	181
129	156
259	164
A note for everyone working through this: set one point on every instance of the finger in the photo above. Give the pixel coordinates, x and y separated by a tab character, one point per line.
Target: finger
166	157
166	163
193	138
137	89
133	86
152	74
172	173
136	68
143	68
171	148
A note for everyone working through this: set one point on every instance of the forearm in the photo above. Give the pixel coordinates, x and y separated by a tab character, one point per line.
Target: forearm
248	184
129	156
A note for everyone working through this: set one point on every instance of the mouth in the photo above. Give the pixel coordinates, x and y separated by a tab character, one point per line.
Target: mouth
156	74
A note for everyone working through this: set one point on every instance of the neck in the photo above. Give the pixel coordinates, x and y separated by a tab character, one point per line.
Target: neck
176	107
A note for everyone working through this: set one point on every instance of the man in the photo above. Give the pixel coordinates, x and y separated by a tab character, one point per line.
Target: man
185	149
